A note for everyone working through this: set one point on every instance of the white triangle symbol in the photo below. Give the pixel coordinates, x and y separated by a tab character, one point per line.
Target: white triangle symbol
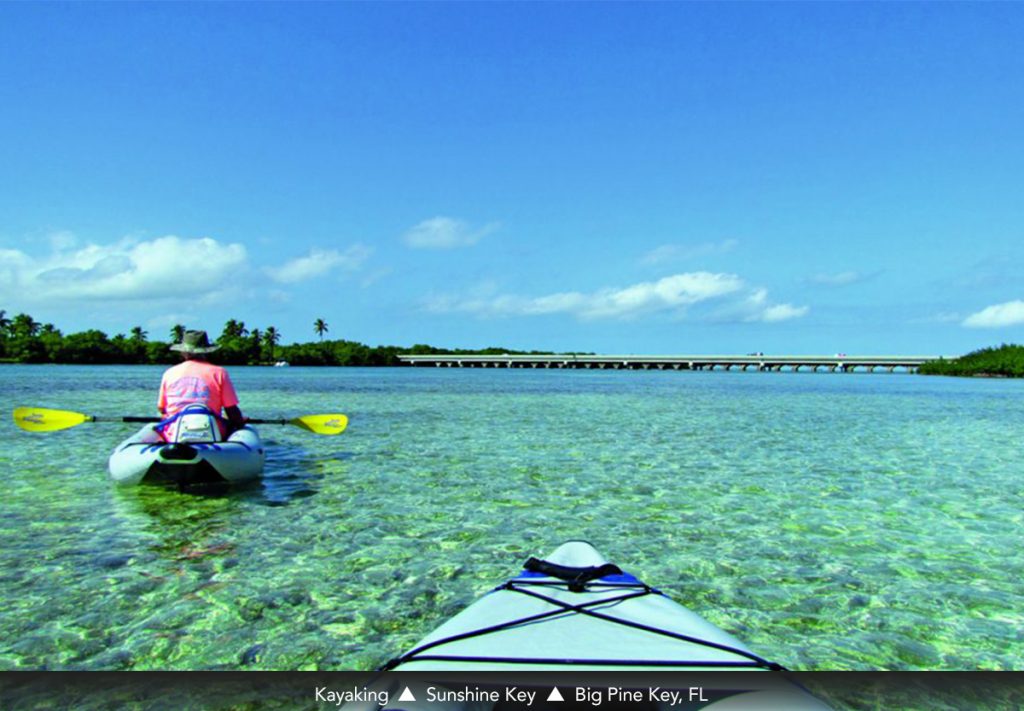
407	695
555	695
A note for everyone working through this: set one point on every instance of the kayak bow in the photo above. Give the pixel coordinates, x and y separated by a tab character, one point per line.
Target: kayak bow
577	610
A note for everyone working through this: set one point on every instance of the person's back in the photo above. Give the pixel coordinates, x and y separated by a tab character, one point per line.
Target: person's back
196	381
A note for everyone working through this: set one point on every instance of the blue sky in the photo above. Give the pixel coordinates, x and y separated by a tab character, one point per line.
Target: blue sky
617	178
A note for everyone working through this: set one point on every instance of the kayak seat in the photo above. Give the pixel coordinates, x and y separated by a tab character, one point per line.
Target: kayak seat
194	424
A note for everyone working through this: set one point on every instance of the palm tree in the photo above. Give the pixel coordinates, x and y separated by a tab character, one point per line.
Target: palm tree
4	324
24	325
138	334
255	347
270	339
177	332
320	327
234	329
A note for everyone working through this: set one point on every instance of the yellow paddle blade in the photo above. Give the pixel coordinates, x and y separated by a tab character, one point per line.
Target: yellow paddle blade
41	419
322	424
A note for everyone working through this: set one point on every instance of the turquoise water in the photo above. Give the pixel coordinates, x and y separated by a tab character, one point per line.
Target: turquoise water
831	521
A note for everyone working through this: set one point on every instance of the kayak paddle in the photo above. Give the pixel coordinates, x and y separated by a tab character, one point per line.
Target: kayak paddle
41	419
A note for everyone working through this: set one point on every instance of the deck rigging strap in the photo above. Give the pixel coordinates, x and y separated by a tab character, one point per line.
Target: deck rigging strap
576	577
632	590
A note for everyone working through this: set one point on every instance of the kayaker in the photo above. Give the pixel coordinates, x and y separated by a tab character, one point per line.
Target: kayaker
196	381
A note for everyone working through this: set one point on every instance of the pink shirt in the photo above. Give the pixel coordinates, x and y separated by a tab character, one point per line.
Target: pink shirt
196	382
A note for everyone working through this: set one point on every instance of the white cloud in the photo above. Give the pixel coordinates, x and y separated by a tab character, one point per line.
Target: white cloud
373	277
679	252
840	278
13	267
129	269
670	294
783	312
161	325
319	262
1010	313
445	233
940	317
63	240
756	307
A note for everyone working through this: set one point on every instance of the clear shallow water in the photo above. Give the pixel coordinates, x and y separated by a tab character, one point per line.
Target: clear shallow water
831	521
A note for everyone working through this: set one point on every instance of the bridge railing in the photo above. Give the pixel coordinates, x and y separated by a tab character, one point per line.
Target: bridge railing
840	362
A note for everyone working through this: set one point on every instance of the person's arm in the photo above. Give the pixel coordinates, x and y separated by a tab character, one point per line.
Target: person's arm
235	417
230	399
161	401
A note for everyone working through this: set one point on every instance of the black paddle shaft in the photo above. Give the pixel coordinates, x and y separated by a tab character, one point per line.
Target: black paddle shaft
144	418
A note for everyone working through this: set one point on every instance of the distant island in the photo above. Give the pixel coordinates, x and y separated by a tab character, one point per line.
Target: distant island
1006	361
24	340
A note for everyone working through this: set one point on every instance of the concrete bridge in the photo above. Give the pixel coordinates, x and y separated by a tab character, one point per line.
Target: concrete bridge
839	362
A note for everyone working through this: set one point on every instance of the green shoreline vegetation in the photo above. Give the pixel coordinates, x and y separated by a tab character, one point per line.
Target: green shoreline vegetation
24	340
1005	361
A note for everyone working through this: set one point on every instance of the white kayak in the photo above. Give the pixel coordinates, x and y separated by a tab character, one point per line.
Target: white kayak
575	609
146	458
576	612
